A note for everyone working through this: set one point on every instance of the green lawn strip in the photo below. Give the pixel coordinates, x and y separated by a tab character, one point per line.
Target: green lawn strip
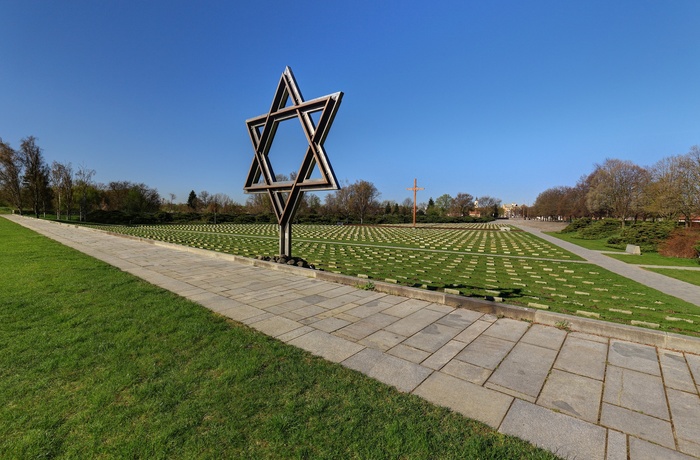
97	363
566	287
654	258
689	276
595	245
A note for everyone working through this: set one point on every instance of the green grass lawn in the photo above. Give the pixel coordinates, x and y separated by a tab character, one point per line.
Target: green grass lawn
594	245
689	276
654	258
473	260
96	363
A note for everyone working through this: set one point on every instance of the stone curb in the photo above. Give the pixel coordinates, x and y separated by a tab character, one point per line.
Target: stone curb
667	340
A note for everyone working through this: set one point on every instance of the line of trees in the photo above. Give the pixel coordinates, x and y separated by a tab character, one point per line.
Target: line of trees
27	182
670	190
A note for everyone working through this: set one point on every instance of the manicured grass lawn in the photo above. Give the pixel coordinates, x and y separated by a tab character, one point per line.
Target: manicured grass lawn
654	258
96	363
689	276
594	245
473	260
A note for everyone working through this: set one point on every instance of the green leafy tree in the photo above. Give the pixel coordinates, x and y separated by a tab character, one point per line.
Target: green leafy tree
443	203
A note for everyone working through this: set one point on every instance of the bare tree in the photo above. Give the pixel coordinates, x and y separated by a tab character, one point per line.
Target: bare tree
84	186
618	186
62	184
487	204
204	199
462	204
10	173
36	173
363	196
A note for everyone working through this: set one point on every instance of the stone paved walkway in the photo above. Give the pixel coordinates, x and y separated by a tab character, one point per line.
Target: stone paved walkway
579	395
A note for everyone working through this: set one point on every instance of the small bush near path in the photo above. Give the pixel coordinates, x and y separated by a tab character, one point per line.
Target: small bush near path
96	363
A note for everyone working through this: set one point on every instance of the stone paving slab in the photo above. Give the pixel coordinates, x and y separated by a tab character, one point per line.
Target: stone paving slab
577	394
523	372
566	436
327	346
634	356
486	351
675	371
397	372
642	426
685	411
572	394
583	357
473	401
636	391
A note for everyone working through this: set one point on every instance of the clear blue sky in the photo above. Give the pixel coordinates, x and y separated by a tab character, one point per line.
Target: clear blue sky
500	98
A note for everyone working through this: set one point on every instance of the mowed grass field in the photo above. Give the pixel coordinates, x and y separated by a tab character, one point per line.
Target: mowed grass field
491	261
96	363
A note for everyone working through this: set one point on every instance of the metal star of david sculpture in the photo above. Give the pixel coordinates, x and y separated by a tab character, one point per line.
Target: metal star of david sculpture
286	195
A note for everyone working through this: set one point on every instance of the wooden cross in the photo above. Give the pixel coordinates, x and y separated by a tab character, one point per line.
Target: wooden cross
415	189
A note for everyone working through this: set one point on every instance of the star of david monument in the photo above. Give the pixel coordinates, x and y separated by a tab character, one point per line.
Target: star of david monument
286	195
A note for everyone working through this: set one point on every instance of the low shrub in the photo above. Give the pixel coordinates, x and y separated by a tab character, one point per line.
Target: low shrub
646	235
600	229
683	242
577	224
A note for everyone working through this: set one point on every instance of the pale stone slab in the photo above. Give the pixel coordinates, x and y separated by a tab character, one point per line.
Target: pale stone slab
566	436
636	391
582	357
330	324
460	318
634	356
369	308
295	333
473	331
572	394
414	322
470	400
507	329
241	312
408	307
444	354
636	424
466	371
408	353
694	365
432	337
675	371
361	329
276	325
382	340
685	412
523	372
402	374
486	351
327	346
617	446
544	336
643	450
